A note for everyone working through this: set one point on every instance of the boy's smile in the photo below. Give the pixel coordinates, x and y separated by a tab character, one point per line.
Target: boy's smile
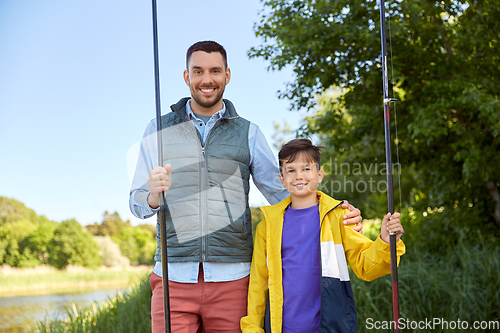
301	178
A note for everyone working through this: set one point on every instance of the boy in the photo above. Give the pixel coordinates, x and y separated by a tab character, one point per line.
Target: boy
299	280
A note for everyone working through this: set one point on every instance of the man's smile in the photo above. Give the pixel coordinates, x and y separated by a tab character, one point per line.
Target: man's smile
207	91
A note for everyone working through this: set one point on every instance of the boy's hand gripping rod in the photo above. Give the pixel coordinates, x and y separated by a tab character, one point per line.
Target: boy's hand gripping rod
162	211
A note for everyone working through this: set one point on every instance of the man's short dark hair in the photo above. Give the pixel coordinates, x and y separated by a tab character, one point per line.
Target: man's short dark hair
206	46
299	147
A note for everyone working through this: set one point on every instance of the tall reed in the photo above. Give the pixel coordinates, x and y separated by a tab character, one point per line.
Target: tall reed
130	312
462	284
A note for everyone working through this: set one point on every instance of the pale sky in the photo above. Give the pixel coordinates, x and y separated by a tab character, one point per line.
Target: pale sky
77	91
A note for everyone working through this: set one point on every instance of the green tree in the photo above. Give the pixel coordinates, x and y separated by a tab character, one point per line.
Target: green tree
146	243
38	240
361	180
282	134
445	70
138	244
128	245
24	235
112	225
11	253
73	245
110	252
150	228
257	216
12	210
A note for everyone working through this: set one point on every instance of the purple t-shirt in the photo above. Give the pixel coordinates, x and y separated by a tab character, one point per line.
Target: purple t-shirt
301	262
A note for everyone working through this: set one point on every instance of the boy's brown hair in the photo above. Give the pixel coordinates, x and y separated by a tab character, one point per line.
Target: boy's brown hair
289	152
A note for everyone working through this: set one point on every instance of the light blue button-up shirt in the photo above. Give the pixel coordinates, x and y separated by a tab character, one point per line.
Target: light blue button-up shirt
263	168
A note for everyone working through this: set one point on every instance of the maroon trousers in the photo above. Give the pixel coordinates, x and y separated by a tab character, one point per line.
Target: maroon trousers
209	306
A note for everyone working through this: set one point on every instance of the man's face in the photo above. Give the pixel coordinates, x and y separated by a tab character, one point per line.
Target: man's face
301	177
206	77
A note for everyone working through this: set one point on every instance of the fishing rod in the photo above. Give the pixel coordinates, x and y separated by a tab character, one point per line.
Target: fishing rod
162	211
388	161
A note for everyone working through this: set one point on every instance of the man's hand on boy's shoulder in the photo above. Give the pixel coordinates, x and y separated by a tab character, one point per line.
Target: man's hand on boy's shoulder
353	217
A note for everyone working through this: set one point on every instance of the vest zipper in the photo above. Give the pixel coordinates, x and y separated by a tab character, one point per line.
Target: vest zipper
204	172
203	202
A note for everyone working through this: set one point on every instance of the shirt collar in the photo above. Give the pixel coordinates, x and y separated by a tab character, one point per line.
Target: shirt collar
217	115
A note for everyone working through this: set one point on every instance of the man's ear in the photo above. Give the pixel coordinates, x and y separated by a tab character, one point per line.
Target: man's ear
186	77
228	75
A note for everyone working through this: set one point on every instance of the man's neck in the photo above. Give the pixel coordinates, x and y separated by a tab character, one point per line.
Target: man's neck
206	111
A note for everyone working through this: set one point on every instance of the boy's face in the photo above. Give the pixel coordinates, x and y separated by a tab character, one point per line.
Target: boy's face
301	177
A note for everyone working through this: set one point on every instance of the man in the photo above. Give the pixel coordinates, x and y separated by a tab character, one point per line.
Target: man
209	153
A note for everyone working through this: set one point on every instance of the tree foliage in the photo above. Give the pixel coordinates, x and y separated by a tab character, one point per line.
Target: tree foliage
73	245
112	225
23	234
138	243
29	240
110	252
38	241
12	210
11	236
444	72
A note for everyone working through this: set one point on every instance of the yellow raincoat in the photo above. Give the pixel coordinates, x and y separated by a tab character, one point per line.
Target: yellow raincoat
368	260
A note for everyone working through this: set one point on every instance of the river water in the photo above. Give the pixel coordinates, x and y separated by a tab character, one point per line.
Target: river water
22	314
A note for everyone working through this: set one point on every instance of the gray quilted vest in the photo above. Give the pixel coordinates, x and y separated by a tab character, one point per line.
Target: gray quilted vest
208	217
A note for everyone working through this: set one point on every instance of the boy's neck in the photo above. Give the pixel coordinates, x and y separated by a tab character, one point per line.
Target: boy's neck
301	203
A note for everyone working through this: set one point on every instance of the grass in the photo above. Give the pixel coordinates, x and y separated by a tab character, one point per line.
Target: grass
130	312
462	284
18	283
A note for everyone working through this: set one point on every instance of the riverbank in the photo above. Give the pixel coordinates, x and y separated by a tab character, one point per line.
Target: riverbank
47	280
129	312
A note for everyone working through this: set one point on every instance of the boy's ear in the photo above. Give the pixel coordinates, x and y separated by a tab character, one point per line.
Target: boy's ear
282	180
321	174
